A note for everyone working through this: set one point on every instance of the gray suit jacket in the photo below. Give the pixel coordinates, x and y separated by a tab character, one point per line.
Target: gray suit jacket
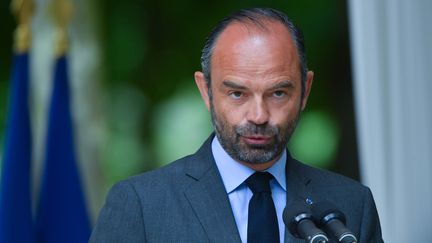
186	201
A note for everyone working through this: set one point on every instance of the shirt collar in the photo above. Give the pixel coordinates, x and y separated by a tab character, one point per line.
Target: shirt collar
234	173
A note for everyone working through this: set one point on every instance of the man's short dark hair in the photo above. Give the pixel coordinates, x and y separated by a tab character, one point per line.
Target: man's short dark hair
256	16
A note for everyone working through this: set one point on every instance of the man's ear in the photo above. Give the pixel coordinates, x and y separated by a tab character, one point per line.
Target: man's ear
308	87
203	88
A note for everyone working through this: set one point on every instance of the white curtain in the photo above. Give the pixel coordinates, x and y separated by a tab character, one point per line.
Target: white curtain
392	57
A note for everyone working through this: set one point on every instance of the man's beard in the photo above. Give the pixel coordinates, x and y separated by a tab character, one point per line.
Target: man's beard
230	139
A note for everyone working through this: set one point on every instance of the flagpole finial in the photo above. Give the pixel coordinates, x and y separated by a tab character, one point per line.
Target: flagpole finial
23	11
62	11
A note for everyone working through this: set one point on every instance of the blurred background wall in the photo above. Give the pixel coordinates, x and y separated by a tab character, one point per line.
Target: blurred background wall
135	104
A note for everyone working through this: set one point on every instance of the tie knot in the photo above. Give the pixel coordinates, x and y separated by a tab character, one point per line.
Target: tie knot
259	182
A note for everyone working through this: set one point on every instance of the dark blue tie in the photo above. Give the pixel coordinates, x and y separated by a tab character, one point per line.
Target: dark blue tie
262	220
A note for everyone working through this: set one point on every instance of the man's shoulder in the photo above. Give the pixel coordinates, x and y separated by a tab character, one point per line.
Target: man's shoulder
165	175
321	177
175	176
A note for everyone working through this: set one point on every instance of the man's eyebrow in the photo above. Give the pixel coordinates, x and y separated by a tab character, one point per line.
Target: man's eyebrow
284	84
233	85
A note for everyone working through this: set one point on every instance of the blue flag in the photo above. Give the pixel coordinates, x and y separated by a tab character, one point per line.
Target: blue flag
16	224
61	214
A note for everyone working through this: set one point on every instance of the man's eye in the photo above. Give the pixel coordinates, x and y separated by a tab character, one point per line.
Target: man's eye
279	94
236	94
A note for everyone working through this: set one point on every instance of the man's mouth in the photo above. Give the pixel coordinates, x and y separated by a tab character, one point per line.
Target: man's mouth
257	139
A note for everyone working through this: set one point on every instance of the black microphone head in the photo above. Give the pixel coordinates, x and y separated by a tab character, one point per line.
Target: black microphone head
294	213
325	211
333	221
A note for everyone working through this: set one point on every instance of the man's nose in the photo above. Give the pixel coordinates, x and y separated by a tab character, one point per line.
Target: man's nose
258	112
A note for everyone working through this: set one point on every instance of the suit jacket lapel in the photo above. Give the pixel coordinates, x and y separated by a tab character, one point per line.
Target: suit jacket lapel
297	180
297	183
208	198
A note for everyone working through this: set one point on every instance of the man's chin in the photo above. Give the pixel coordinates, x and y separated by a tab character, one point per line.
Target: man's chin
257	160
255	156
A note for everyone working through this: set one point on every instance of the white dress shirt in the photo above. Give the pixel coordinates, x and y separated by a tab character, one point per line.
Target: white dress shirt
233	176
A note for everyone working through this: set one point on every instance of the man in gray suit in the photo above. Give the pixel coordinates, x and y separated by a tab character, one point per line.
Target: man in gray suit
255	83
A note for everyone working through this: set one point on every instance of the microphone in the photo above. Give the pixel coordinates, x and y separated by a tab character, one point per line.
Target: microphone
298	219
333	221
